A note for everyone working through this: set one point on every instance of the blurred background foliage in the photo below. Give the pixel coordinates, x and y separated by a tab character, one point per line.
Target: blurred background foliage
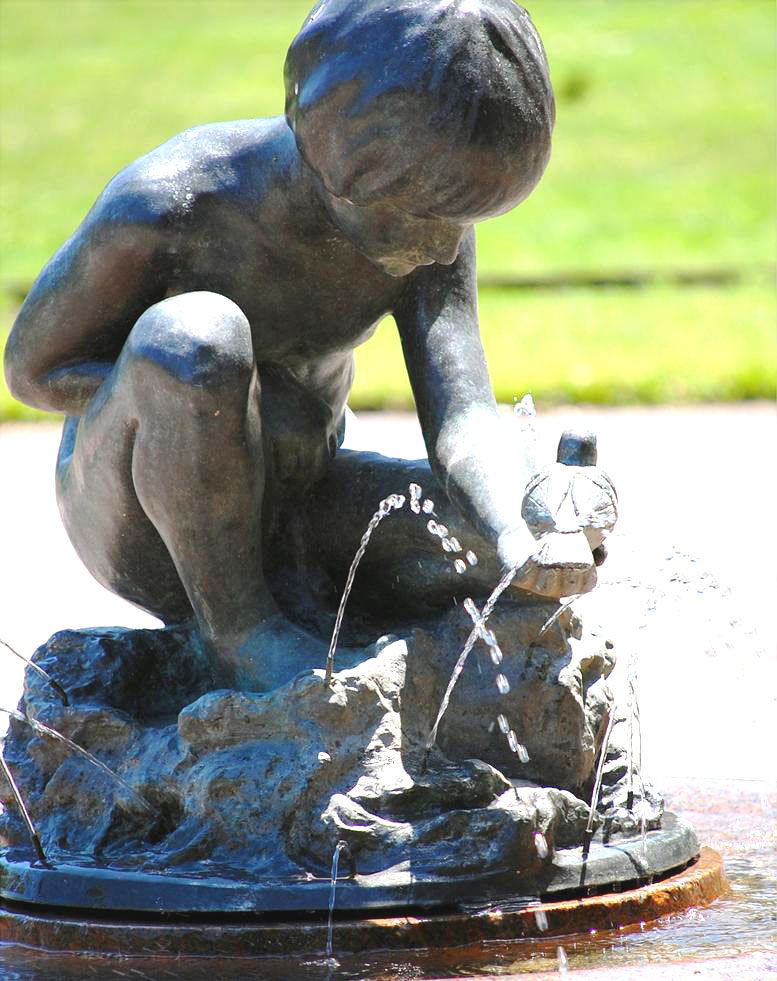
662	176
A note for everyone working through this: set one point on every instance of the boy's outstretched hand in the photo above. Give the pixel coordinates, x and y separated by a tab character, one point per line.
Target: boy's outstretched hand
569	508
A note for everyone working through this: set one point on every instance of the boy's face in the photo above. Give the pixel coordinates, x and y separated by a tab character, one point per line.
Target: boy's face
395	239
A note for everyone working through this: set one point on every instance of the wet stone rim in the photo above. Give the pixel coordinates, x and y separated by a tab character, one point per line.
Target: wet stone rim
697	885
619	863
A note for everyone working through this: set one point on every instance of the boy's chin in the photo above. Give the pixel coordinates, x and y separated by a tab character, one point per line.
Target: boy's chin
396	267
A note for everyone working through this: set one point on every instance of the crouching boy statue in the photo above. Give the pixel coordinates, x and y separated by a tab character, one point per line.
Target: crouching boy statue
197	329
198	332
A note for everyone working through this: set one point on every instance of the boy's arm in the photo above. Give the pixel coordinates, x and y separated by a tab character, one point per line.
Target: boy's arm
78	313
483	475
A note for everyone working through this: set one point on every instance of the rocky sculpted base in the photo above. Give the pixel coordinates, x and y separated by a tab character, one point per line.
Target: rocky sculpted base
250	793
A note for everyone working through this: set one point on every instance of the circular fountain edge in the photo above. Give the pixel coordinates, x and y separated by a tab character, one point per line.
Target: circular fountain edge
697	885
599	865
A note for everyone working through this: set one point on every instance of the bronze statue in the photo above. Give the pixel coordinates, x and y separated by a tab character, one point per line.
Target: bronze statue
198	330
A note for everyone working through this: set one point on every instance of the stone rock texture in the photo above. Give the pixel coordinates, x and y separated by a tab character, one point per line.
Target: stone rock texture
266	784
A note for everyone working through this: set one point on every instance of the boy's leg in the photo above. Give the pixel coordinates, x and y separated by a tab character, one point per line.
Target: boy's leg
161	489
405	570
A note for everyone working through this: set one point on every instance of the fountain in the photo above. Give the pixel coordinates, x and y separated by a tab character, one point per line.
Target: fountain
195	789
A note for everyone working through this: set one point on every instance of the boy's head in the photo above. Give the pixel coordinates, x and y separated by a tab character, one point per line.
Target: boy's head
441	106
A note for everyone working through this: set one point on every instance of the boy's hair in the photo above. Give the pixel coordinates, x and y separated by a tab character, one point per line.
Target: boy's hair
447	102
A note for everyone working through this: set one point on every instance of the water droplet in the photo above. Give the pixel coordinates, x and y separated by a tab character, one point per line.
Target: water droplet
525	407
432	526
504	725
492	727
523	755
563	963
502	684
460	566
488	636
472	558
384	507
512	741
496	654
415	507
541	844
469	606
415	492
397	501
446	545
541	919
442	531
324	758
454	543
428	506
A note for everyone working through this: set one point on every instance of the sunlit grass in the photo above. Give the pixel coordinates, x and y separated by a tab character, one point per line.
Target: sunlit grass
663	158
606	347
664	145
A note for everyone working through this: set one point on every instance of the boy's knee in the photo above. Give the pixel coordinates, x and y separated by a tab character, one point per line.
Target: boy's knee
200	339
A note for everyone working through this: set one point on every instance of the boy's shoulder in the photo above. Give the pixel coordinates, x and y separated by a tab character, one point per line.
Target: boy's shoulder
229	161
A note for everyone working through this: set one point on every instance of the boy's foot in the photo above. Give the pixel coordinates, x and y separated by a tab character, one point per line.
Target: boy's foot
267	655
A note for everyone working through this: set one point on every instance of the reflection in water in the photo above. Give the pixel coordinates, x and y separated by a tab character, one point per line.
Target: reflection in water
737	819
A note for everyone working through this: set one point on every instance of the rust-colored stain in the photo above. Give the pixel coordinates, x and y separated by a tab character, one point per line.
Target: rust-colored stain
695	886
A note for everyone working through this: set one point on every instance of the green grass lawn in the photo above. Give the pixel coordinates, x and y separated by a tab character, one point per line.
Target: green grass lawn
611	347
663	159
